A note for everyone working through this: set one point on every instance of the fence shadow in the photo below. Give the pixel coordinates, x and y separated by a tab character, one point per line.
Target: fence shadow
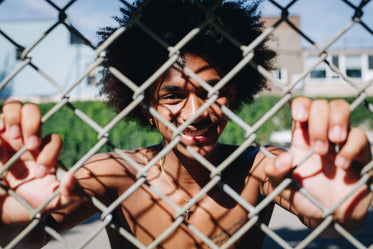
294	237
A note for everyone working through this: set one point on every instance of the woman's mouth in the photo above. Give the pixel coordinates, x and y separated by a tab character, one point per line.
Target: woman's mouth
193	133
197	135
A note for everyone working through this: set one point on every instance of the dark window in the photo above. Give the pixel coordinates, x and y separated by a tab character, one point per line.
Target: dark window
335	60
19	53
318	74
353	73
370	62
74	39
320	70
353	66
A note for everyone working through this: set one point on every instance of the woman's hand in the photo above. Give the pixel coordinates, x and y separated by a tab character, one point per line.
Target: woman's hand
33	175
331	172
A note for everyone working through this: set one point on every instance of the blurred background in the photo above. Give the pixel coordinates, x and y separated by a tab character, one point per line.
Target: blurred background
63	48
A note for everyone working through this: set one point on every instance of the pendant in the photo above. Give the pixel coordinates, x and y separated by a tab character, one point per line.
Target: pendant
188	213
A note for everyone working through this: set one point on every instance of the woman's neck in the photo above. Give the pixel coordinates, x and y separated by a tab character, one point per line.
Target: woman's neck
187	172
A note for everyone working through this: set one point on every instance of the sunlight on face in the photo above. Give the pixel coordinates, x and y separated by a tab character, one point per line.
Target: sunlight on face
178	97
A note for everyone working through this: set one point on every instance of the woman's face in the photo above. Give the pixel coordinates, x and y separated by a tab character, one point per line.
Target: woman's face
177	97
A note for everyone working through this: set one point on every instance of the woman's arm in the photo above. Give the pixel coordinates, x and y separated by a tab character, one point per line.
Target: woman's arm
314	164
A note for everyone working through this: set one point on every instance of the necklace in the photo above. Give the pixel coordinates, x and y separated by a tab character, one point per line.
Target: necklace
188	212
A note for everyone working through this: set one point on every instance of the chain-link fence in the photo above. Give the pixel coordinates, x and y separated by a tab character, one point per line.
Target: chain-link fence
215	170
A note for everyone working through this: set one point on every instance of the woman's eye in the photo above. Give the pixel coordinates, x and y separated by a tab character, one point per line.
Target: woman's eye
171	98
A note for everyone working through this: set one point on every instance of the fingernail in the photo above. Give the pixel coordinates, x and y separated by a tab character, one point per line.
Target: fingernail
41	171
337	134
299	113
341	162
283	161
320	147
15	131
32	142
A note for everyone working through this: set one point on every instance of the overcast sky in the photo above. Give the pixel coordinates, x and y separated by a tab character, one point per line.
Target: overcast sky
320	19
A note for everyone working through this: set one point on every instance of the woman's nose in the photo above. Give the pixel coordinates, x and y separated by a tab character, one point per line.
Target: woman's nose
192	105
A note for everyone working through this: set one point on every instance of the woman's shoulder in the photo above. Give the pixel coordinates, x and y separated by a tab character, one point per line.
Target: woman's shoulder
249	158
226	150
129	161
116	169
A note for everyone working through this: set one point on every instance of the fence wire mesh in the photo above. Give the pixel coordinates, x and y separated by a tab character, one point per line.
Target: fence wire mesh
287	92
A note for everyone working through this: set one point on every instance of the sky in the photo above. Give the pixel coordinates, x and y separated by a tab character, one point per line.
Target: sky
320	19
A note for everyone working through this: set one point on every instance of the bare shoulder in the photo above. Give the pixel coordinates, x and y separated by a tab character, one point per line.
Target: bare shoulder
251	163
251	159
107	174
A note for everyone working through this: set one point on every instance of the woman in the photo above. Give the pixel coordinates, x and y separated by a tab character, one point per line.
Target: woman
180	99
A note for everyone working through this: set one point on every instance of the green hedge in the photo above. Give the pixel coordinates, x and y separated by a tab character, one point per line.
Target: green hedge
78	137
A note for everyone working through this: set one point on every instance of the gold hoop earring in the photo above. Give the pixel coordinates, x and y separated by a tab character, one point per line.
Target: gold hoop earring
151	122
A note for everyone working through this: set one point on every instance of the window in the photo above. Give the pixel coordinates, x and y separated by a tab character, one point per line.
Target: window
320	71
353	66
318	74
281	74
19	52
370	62
74	39
335	60
91	77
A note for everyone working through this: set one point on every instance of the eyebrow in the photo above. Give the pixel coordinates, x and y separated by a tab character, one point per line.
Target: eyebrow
171	88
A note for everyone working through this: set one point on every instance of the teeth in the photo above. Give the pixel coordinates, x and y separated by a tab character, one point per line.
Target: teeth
196	132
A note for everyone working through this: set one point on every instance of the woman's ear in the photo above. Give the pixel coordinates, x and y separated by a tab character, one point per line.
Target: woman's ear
146	113
148	116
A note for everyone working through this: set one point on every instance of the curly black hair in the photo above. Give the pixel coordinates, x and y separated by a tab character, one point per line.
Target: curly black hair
137	55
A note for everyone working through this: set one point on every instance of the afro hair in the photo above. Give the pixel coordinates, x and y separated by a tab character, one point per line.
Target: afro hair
136	55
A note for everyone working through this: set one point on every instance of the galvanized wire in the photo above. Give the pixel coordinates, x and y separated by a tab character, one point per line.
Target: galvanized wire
250	130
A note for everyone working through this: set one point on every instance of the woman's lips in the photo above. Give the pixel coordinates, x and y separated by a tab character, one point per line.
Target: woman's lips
195	132
197	135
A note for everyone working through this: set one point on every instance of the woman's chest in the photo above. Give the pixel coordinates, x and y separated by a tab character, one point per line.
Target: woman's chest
212	219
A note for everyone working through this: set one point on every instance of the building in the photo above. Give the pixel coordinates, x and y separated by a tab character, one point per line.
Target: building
293	61
356	64
287	43
63	58
60	55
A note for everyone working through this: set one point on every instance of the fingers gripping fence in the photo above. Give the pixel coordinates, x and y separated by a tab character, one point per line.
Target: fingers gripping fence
213	93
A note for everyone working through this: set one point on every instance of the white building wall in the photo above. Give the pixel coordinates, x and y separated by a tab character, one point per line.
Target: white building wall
333	85
54	55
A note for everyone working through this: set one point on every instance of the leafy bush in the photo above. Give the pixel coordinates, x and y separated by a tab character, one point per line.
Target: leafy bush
79	137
